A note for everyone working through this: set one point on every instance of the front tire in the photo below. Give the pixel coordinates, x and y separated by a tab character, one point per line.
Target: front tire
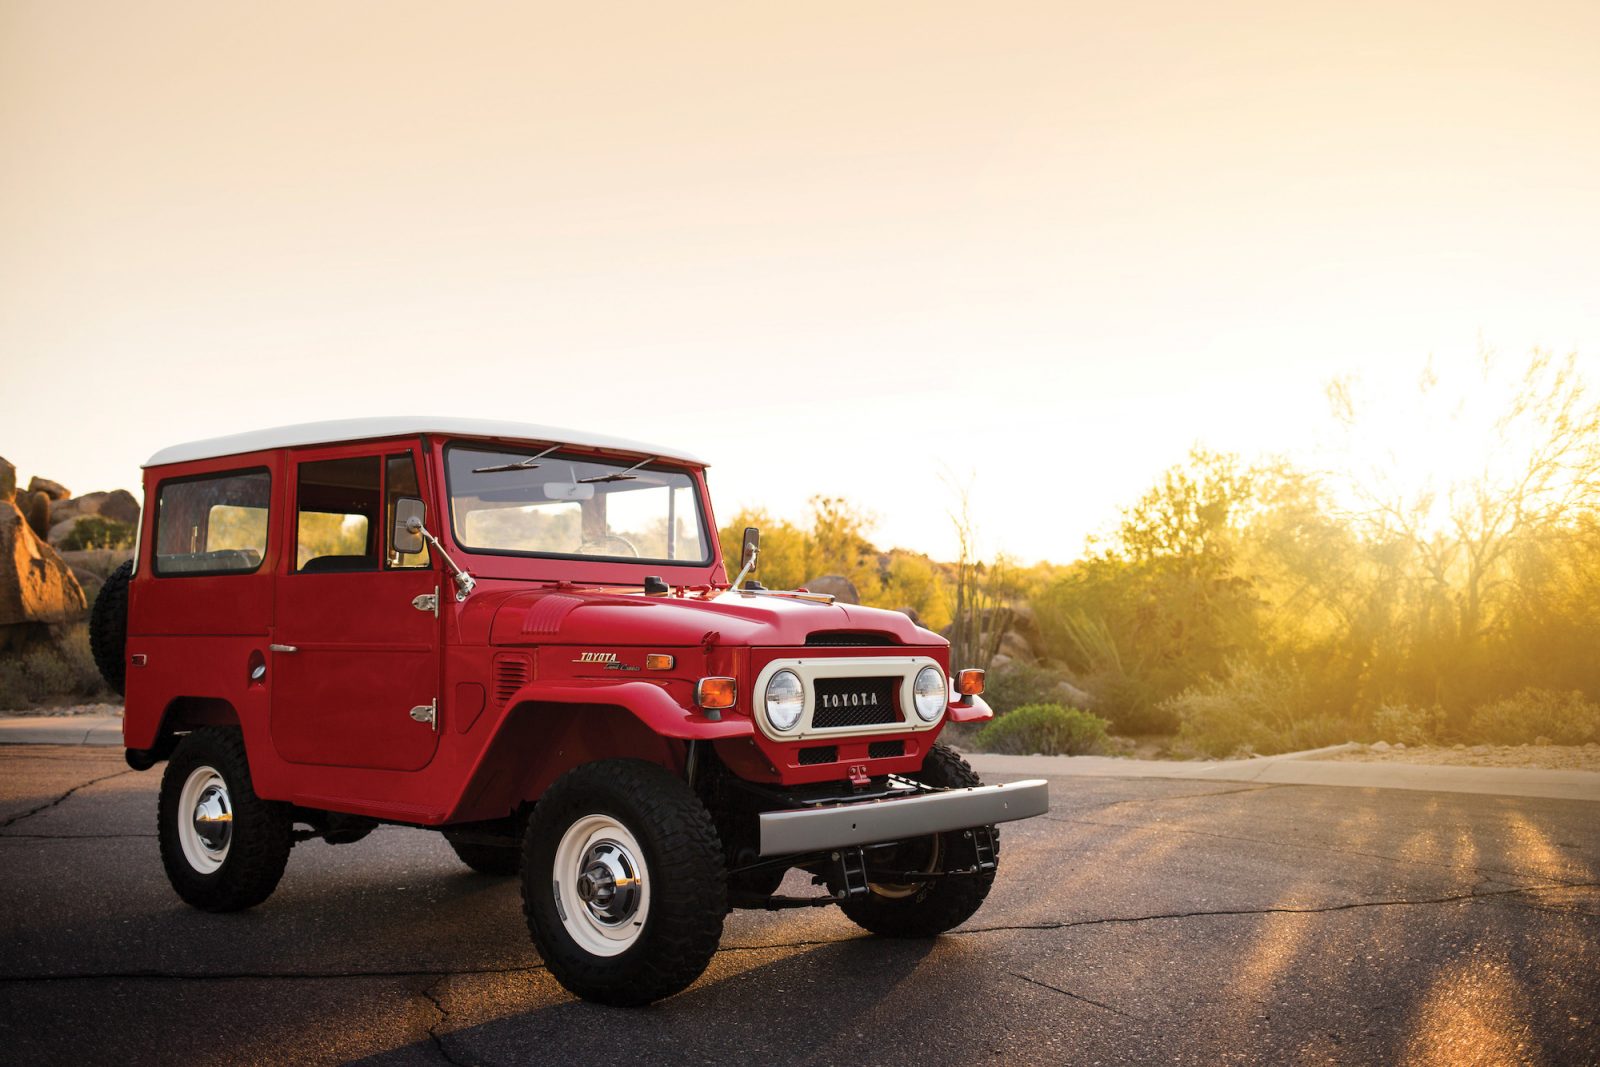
927	909
623	883
223	847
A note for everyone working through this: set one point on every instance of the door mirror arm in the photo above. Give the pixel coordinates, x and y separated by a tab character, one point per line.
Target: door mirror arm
465	582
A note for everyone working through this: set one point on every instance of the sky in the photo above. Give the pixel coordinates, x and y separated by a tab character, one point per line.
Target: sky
861	249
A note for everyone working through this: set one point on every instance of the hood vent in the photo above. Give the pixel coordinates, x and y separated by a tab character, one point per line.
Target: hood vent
848	638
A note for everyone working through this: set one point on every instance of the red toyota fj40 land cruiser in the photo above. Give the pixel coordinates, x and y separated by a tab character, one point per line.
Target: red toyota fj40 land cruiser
527	639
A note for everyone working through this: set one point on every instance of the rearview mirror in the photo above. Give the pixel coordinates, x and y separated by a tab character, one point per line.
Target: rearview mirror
568	491
751	549
408	515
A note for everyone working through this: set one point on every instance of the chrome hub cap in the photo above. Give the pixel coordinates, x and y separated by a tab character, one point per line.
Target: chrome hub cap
601	890
205	819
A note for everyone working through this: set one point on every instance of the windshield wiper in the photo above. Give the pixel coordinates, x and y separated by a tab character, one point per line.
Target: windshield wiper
523	465
617	476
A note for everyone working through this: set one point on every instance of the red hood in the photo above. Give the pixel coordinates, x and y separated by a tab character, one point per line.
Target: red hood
589	617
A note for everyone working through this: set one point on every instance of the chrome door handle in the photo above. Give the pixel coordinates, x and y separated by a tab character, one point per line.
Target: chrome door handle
283	648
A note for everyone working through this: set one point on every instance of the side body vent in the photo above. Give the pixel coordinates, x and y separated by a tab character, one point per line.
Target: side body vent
510	674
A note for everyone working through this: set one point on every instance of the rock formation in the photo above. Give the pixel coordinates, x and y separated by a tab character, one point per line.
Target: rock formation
37	588
838	586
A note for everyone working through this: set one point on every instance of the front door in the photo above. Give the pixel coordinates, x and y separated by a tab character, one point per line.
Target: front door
355	664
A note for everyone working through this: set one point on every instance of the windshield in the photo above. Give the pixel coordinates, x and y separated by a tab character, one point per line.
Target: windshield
540	502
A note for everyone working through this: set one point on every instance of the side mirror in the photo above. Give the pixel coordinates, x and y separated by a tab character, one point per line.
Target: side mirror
407	535
751	549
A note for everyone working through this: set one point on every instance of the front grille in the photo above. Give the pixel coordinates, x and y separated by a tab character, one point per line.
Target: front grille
886	749
510	674
842	702
810	757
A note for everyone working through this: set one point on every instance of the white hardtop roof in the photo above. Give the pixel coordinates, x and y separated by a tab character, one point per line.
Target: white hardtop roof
338	430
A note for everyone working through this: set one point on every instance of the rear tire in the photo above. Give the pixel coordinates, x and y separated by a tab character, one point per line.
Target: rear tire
928	909
498	860
223	847
108	628
623	883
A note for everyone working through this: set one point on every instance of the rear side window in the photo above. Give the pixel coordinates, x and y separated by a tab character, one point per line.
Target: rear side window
213	524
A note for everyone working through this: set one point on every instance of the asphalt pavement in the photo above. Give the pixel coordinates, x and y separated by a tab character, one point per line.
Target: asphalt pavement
1144	920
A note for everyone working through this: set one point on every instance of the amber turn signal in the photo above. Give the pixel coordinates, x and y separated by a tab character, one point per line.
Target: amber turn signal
969	683
715	693
658	661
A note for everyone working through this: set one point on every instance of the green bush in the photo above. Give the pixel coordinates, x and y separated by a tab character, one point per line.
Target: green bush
1050	729
47	673
1017	685
1253	710
1563	718
1408	725
92	531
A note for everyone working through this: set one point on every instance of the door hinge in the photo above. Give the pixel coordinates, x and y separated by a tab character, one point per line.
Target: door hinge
427	602
428	713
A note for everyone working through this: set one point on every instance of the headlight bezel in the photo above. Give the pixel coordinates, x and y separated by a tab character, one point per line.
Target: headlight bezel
936	694
797	700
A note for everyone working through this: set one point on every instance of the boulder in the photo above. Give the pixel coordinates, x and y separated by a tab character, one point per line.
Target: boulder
1073	697
35	507
91	566
53	490
1017	646
36	585
88	503
120	505
8	479
911	613
838	586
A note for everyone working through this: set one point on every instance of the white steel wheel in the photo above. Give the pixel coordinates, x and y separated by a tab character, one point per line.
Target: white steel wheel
601	885
205	819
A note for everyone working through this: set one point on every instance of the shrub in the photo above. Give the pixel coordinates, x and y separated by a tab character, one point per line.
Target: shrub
1017	685
1408	725
1050	729
1251	710
1564	718
49	672
93	531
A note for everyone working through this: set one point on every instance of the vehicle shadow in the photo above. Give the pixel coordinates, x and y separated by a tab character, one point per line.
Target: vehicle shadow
821	1006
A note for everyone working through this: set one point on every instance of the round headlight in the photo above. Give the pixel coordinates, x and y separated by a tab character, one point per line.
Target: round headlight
786	699
929	694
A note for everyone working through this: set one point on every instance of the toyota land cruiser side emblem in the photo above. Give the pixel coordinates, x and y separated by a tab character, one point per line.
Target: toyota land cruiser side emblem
849	700
596	657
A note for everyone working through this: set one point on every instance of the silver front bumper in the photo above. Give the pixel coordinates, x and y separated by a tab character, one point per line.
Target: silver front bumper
871	821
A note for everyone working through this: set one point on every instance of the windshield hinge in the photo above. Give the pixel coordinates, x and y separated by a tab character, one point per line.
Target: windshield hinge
428	713
427	602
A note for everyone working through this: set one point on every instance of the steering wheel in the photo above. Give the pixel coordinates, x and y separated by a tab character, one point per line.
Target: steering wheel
607	546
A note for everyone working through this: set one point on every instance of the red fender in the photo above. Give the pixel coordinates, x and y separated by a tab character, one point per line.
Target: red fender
648	703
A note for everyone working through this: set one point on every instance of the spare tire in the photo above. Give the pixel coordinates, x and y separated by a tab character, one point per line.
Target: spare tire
108	628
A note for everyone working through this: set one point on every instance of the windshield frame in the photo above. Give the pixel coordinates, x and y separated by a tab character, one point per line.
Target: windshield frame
575	453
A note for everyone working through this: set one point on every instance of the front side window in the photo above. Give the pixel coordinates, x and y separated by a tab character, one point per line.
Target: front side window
214	524
337	504
521	503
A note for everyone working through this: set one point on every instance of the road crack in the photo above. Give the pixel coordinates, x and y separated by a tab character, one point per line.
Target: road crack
1355	905
1074	996
444	1015
47	806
